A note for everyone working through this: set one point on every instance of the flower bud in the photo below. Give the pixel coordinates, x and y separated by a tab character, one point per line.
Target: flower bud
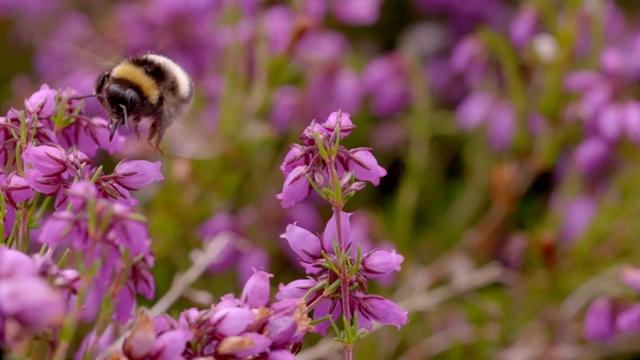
256	290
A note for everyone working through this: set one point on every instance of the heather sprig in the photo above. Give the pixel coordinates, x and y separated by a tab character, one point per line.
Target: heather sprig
338	272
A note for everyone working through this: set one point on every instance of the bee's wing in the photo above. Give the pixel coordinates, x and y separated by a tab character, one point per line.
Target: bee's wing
86	54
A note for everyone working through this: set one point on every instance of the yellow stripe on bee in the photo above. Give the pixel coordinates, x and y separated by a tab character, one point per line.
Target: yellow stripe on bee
137	76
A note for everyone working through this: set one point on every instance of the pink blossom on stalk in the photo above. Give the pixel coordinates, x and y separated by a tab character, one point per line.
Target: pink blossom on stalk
376	308
46	159
365	166
379	262
135	174
42	102
170	345
256	290
599	321
15	189
296	187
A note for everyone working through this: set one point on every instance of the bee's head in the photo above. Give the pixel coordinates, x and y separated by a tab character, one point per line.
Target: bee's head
123	102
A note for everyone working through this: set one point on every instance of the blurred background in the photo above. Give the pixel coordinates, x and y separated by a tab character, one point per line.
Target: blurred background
509	130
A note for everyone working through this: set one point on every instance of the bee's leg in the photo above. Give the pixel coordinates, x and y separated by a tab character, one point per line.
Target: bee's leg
156	132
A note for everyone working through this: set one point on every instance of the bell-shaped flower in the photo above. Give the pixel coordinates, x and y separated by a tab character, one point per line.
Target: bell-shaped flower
135	174
42	102
330	234
170	345
379	262
281	330
48	160
379	309
16	189
296	187
296	289
231	321
256	290
365	166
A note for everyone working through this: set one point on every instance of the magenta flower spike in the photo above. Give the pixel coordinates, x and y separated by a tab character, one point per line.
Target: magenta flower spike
46	159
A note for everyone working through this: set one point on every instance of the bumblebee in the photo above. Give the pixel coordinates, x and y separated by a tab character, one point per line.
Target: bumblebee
146	86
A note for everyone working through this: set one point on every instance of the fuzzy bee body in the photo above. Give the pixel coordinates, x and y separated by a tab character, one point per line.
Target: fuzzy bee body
146	86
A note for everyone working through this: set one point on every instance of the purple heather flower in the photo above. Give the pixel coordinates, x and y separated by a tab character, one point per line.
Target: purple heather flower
296	188
524	27
42	102
31	301
357	12
60	228
610	122
474	110
322	48
613	62
231	321
379	262
256	290
15	188
14	263
629	275
376	308
365	166
592	156
469	58
135	174
629	319
278	24
170	345
599	321
296	289
385	78
578	215
46	160
281	329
